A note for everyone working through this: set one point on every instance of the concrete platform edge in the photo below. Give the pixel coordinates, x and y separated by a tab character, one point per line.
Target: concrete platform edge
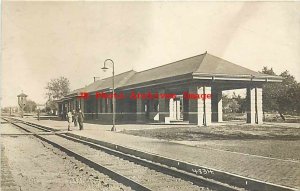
224	177
221	176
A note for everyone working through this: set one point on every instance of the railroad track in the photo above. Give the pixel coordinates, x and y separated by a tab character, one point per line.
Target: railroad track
7	181
142	171
134	172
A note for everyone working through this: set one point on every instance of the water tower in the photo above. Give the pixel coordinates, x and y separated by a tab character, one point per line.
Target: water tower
22	102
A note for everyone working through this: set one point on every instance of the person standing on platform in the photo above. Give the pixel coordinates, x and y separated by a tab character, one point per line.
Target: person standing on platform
75	117
69	118
80	119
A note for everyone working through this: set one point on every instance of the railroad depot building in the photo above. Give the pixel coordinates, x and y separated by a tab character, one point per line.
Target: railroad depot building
201	74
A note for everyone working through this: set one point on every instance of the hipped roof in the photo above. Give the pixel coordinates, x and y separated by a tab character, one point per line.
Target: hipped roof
204	65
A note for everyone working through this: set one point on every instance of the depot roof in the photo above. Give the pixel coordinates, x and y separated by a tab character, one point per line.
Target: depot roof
204	66
22	95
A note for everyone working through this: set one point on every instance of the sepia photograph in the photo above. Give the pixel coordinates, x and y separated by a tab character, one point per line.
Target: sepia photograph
150	95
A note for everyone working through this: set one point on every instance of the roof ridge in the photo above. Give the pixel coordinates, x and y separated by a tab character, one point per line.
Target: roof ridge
154	67
173	62
205	54
231	62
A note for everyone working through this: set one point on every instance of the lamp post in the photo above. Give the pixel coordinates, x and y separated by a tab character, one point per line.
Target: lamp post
113	90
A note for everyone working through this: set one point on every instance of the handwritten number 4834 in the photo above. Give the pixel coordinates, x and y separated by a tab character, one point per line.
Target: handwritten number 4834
203	171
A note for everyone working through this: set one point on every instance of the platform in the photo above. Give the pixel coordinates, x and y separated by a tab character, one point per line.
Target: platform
272	170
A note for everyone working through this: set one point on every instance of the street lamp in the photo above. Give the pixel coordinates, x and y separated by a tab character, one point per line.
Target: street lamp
113	89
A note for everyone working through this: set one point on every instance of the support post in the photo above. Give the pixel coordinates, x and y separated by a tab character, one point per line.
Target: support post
217	113
254	105
259	105
200	109
140	110
162	109
171	109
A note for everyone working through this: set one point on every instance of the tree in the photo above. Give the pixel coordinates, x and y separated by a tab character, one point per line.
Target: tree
5	110
288	101
56	89
242	102
271	92
233	103
50	106
282	97
30	106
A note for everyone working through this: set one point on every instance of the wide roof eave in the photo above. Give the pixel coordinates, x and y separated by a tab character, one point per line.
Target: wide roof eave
242	77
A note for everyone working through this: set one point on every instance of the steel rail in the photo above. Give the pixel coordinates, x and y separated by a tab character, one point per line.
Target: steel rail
230	181
112	174
197	180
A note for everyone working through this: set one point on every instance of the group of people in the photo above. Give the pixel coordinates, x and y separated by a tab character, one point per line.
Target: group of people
75	117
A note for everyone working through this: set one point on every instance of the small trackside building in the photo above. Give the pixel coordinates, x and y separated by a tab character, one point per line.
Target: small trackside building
201	74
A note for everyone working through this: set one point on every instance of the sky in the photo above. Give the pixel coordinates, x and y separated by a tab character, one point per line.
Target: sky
46	40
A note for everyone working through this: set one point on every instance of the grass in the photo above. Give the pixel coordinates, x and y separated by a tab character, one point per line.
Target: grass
268	117
223	132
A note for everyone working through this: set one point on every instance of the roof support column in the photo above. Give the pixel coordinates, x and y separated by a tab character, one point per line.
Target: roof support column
69	105
162	108
96	107
60	110
200	109
109	105
140	110
81	104
259	105
74	103
171	109
217	113
104	105
207	106
254	105
100	105
177	104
